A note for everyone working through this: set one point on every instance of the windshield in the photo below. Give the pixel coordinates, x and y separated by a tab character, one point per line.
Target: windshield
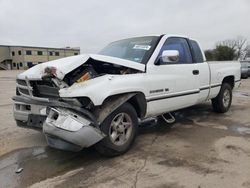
134	49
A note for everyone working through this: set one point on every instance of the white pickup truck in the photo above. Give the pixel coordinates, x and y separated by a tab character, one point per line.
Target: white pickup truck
99	99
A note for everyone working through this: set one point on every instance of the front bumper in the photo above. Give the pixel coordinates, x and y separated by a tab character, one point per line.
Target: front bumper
67	130
63	127
71	141
29	115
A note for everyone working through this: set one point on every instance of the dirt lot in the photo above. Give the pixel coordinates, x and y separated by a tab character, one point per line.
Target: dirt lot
203	149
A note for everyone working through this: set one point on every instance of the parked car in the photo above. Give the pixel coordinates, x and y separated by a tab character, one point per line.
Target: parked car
98	99
245	70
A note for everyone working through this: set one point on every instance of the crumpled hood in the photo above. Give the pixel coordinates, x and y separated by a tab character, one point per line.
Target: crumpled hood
66	65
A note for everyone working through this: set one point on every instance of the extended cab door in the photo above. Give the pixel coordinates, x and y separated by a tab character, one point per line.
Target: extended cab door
172	86
203	69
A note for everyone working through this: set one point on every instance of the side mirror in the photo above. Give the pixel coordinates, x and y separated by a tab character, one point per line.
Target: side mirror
170	56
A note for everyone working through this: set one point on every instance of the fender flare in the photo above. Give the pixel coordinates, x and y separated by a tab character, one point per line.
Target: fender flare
111	104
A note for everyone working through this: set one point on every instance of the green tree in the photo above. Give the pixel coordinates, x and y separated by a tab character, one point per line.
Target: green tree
221	53
239	45
224	53
209	55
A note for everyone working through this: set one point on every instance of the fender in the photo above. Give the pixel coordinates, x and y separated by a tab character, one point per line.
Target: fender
110	105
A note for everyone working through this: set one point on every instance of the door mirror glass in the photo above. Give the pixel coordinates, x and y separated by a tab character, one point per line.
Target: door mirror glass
170	56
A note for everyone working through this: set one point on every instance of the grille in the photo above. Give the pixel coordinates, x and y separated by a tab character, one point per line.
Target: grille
21	82
23	91
24	88
37	89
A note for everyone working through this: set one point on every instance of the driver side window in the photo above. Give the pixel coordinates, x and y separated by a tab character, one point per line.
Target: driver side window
179	44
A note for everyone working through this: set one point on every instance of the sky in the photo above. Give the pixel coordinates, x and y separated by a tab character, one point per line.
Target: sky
92	24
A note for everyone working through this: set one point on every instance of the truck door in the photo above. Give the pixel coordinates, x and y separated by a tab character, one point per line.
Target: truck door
203	69
172	85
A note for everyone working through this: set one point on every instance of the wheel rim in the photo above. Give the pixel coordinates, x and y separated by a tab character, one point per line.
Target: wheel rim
120	129
226	98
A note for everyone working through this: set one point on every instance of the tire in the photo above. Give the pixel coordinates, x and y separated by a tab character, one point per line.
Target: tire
244	76
222	102
21	123
123	135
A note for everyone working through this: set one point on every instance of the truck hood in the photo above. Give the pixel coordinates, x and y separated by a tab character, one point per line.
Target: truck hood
66	65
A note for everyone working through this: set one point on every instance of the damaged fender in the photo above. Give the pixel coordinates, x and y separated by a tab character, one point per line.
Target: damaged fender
110	105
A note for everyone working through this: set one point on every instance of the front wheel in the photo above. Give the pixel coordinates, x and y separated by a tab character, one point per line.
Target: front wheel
120	128
222	102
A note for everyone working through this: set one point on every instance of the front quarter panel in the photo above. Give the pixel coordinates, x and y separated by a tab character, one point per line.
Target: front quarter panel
98	89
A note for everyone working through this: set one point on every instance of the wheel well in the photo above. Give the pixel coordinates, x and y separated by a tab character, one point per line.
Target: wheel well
139	103
136	99
229	80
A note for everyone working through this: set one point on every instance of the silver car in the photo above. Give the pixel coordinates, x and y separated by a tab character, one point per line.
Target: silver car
245	70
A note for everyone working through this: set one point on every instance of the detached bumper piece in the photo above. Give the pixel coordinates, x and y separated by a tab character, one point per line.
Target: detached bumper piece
29	115
67	130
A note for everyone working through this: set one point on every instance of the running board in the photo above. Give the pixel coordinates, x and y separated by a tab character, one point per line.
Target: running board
168	117
147	121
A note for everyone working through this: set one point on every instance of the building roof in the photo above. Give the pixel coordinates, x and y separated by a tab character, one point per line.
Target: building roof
66	48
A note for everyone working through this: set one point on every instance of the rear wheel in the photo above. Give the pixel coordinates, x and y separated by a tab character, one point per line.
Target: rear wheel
120	128
244	76
222	102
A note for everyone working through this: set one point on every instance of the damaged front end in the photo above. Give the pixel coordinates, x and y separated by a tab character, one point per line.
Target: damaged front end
67	130
68	123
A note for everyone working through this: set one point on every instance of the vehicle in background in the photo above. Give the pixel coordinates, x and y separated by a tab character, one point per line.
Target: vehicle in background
245	69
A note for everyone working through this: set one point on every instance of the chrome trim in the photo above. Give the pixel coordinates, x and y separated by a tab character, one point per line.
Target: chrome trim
171	95
28	84
24	87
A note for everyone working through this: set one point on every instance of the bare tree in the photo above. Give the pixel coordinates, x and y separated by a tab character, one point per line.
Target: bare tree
238	45
247	52
229	43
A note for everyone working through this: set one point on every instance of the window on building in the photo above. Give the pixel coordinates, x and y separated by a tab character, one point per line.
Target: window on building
21	64
28	52
39	52
57	54
19	52
14	64
30	64
76	53
13	53
51	53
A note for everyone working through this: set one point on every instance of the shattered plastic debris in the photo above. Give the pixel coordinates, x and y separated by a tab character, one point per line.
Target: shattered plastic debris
19	170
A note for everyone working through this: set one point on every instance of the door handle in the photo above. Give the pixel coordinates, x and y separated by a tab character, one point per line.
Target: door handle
196	72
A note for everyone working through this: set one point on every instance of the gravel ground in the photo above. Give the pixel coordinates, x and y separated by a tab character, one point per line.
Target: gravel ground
203	149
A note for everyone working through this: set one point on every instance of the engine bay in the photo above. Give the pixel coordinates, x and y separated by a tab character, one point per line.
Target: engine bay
92	69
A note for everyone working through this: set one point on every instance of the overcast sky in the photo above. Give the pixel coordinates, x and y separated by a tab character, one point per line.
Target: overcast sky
91	24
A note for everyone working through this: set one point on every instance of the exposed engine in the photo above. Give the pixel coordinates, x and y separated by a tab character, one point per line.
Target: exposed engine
50	85
92	69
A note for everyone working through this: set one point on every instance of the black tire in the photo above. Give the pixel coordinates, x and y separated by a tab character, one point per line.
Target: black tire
244	76
106	146
219	104
21	123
